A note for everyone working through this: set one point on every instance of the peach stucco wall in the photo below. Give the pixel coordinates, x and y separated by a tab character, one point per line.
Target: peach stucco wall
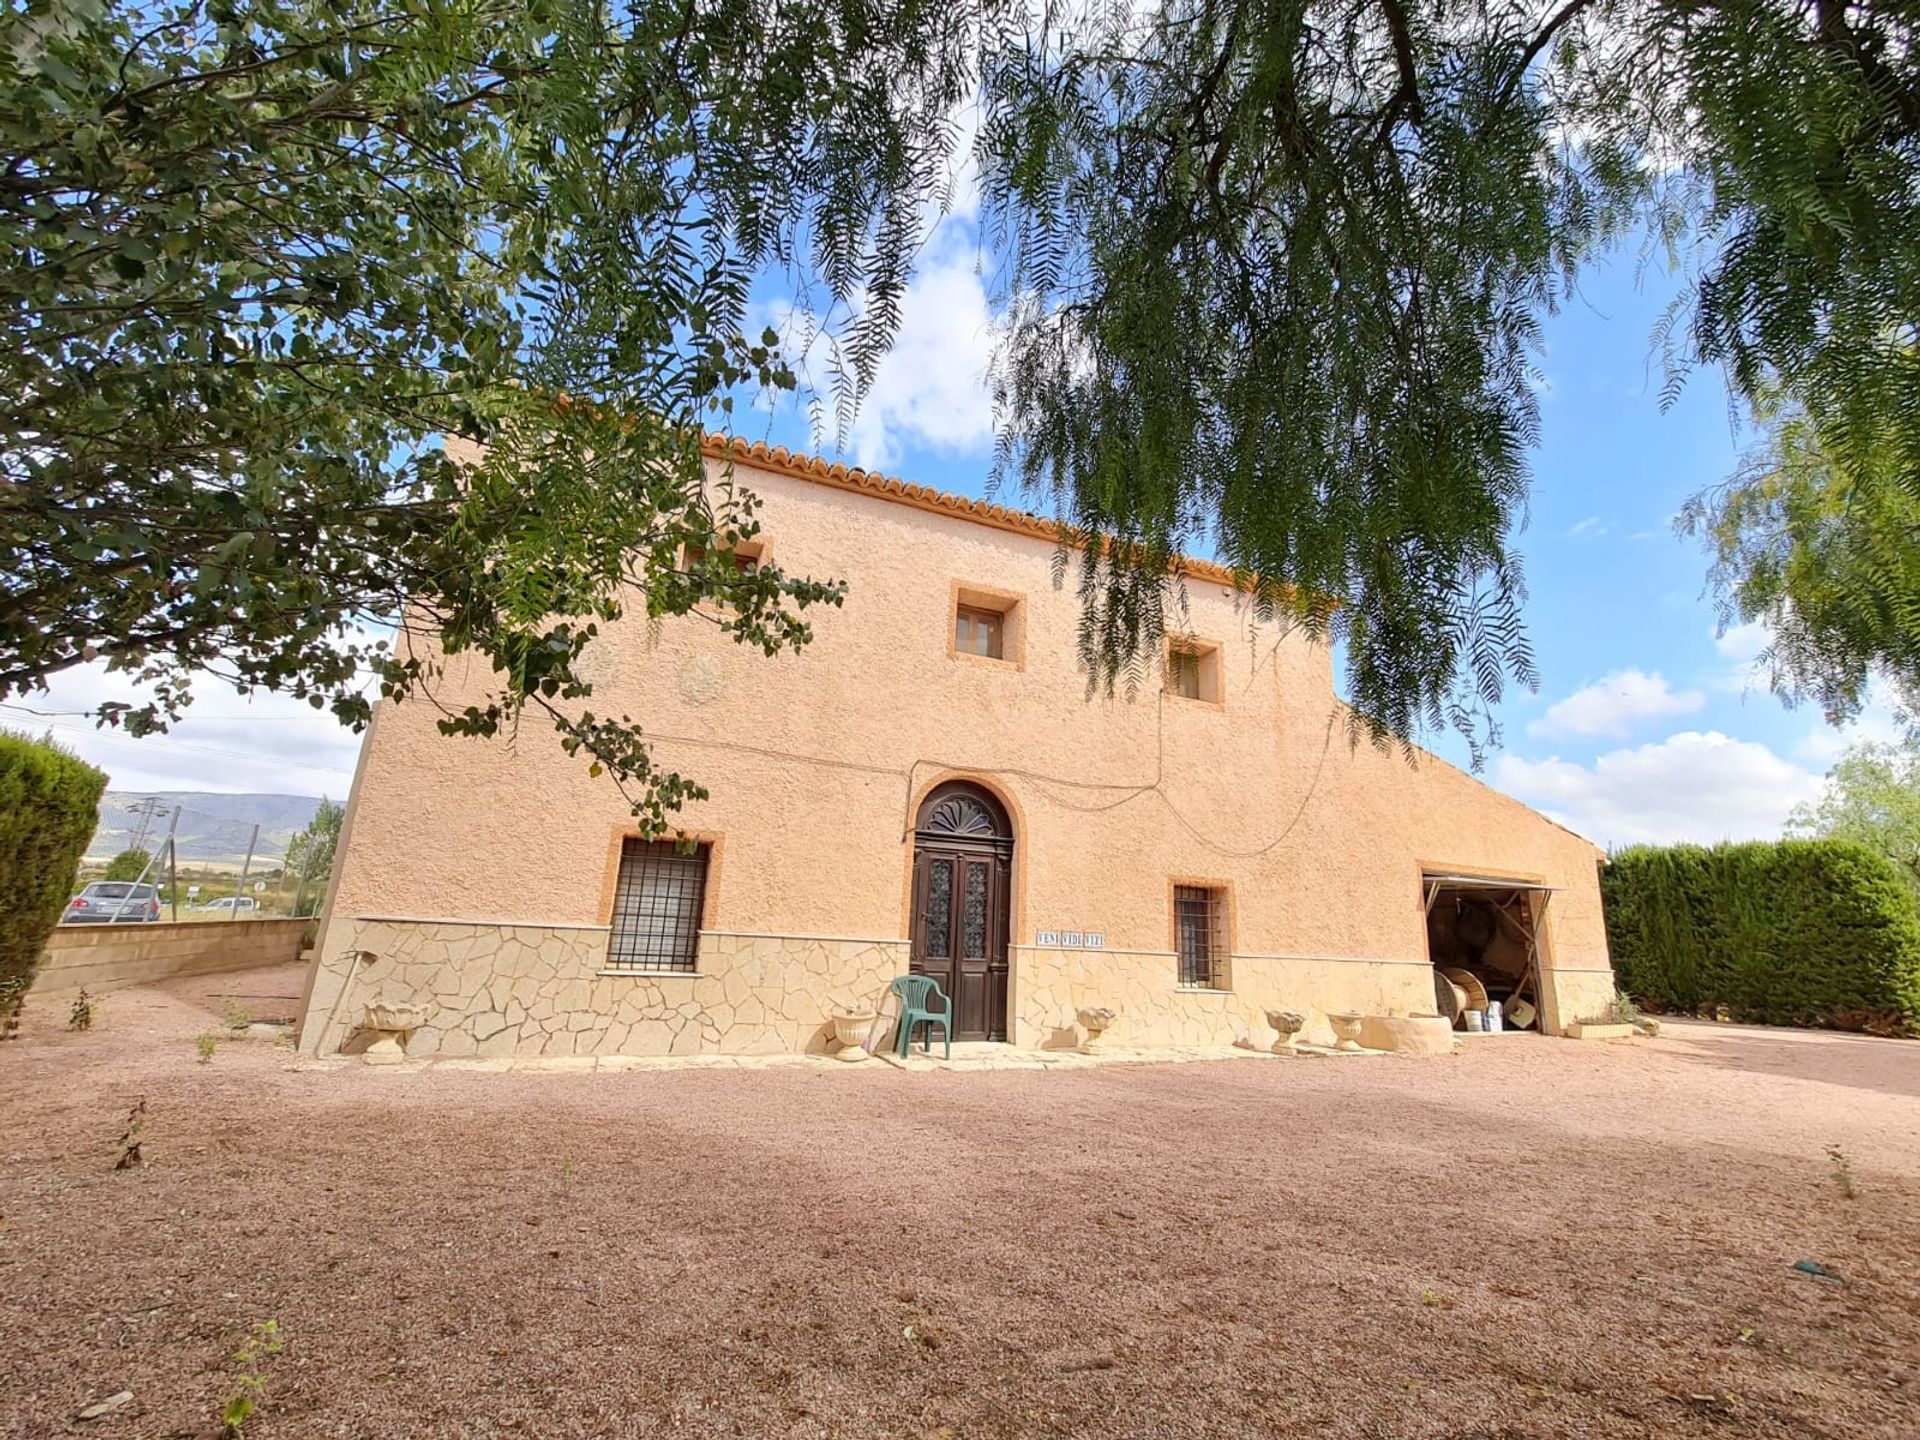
816	761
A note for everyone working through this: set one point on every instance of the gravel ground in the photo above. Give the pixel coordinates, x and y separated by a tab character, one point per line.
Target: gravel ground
1536	1238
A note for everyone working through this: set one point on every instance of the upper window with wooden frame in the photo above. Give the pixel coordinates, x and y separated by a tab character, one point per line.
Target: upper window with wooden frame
658	902
1193	670
987	625
1200	935
748	556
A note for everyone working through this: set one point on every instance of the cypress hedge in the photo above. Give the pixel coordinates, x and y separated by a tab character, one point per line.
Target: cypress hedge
49	806
1787	932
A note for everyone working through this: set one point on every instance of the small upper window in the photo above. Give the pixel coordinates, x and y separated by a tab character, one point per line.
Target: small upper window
979	632
746	556
988	624
1193	669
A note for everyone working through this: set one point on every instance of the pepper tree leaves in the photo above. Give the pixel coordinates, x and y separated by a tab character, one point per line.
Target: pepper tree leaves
259	257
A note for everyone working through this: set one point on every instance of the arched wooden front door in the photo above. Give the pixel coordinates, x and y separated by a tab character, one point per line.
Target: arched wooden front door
962	873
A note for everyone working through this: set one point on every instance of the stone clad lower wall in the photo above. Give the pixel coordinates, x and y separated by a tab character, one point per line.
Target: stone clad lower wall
1050	987
539	990
531	990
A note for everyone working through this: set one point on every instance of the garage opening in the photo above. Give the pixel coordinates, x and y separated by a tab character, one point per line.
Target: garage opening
1483	939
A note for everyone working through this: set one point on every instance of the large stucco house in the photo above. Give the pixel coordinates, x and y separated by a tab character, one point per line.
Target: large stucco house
929	786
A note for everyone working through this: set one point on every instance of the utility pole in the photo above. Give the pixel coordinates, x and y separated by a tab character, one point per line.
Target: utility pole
149	810
173	865
300	893
235	915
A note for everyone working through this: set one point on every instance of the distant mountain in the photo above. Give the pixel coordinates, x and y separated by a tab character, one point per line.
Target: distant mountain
212	827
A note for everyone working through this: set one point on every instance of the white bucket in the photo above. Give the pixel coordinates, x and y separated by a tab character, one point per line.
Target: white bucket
1494	1022
1476	1020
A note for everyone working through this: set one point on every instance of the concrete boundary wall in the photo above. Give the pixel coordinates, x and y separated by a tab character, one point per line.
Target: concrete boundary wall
113	957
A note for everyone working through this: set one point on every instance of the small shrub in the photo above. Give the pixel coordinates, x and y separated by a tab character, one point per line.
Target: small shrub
49	806
249	1378
1842	1173
13	999
1621	1010
128	865
234	1015
85	1009
128	1156
206	1045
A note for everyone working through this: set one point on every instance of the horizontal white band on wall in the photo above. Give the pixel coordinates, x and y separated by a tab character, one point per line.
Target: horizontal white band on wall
604	929
822	939
1332	960
482	920
1094	950
1576	970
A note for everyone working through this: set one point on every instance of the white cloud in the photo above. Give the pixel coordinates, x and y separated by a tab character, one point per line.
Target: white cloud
1743	647
1615	704
1879	720
1699	786
1744	642
1593	527
930	388
264	744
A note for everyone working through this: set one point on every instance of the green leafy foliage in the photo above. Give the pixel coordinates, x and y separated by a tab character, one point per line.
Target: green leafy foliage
49	806
1822	547
310	853
250	1377
1803	178
1272	271
128	865
1791	932
260	257
1872	795
1276	271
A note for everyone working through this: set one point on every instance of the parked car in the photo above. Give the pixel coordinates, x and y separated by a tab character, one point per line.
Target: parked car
229	905
105	901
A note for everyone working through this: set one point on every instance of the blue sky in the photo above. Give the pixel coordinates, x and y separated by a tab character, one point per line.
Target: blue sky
1646	727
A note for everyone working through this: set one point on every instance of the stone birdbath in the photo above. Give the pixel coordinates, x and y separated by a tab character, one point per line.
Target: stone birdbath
1346	1029
391	1023
1097	1020
1288	1023
850	1031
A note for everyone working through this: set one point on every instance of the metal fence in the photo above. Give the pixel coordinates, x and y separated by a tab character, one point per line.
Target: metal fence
199	865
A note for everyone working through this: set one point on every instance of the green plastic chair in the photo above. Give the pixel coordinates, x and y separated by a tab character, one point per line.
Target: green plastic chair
914	992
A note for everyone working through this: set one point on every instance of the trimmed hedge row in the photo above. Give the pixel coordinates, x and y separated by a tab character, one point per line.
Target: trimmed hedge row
49	805
1787	932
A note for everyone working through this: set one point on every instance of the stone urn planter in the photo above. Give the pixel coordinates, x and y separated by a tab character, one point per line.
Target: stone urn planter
1096	1020
850	1031
391	1023
1287	1023
1346	1029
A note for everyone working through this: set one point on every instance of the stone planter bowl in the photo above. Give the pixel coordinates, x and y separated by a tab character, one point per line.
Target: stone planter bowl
1287	1024
392	1022
1346	1029
850	1031
1097	1020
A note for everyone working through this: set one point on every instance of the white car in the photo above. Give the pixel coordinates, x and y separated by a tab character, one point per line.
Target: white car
229	905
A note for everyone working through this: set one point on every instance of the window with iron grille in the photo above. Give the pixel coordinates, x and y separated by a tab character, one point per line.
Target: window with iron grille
657	906
1200	928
